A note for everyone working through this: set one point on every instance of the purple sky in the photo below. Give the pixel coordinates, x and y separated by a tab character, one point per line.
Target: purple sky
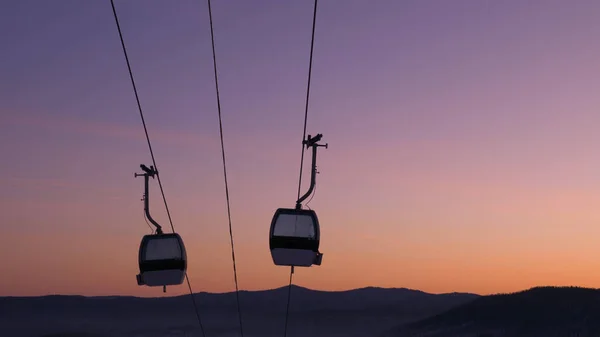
454	126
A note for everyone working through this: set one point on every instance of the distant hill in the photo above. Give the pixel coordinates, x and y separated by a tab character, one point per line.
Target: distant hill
540	311
312	311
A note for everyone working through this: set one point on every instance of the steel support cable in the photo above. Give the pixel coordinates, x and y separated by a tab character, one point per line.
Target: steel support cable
287	307
312	44
237	290
152	154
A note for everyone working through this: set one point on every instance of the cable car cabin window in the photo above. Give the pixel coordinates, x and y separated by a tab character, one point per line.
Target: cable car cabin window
293	225
167	248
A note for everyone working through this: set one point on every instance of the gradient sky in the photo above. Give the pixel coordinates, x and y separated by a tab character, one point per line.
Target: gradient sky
463	141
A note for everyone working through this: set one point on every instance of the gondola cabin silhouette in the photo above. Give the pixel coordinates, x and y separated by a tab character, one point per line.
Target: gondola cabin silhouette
162	260
295	233
295	238
162	257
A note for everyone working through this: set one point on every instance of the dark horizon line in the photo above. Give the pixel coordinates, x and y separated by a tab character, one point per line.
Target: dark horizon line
299	287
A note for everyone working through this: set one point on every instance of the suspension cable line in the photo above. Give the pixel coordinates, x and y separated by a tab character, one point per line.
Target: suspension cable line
237	290
152	154
312	43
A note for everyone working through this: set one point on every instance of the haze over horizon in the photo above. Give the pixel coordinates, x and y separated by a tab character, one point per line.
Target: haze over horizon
462	142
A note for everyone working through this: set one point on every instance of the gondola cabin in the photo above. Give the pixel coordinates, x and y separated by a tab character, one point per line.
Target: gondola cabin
294	238
162	260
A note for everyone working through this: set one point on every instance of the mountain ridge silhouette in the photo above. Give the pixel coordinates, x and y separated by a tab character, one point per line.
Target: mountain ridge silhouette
277	289
263	311
397	312
537	311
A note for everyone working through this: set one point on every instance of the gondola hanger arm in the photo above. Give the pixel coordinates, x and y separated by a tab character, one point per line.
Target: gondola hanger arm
311	142
148	172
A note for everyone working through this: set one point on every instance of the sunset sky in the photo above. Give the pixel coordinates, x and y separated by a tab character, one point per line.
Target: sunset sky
464	143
